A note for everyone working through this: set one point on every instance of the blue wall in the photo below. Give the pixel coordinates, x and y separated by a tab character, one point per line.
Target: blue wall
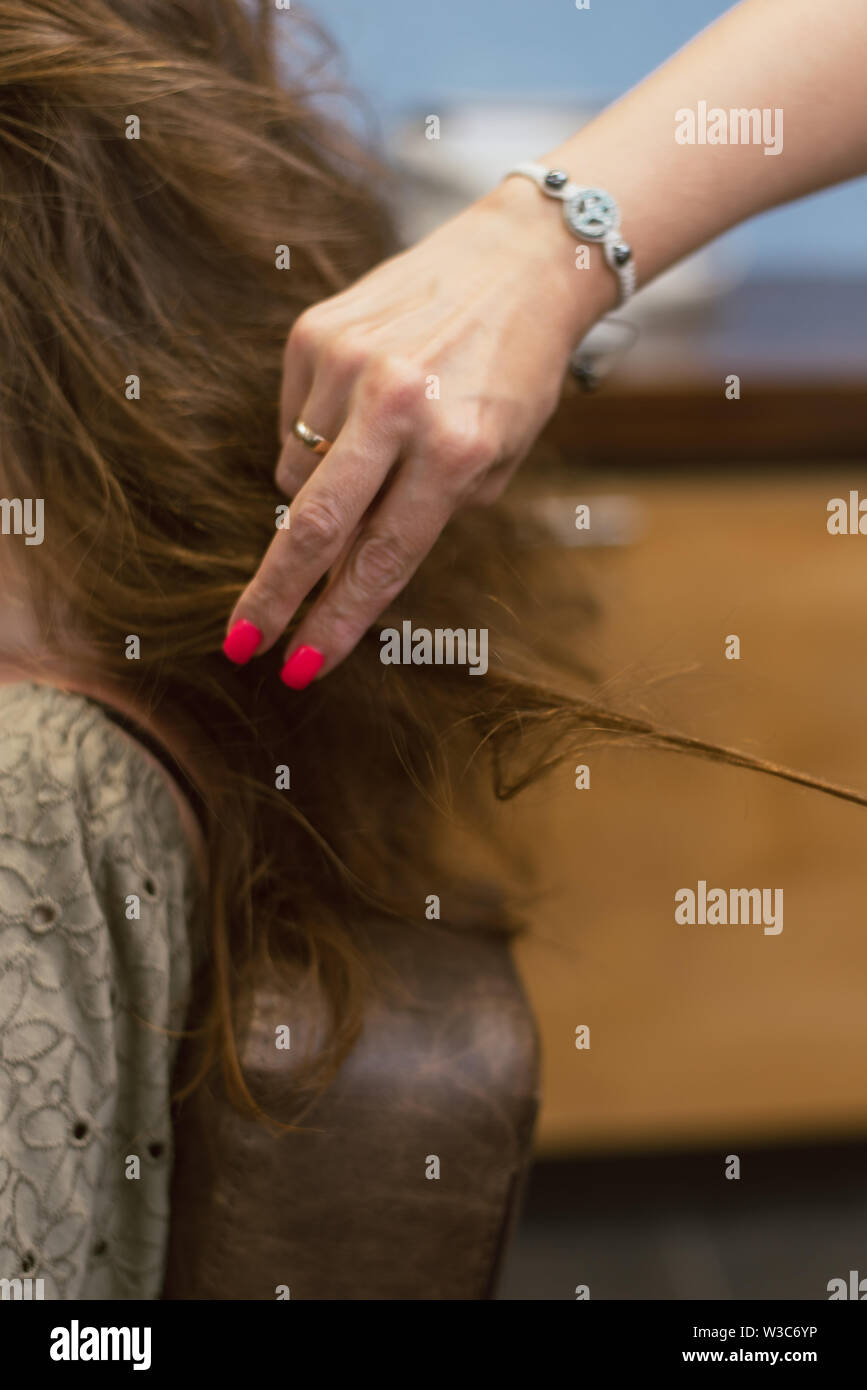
404	55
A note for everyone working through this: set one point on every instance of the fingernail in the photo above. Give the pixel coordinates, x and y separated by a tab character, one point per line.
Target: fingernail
242	641
301	667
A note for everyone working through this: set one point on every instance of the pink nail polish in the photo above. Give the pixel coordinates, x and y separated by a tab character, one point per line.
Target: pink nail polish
301	667
242	641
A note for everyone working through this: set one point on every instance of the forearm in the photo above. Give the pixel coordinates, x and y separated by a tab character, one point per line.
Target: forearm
806	61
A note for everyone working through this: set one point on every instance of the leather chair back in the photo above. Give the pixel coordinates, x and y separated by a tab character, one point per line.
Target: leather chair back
443	1079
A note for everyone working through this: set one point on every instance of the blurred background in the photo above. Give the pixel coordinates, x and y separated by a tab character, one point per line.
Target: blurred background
709	518
518	61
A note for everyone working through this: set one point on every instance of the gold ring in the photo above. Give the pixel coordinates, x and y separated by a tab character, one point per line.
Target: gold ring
317	442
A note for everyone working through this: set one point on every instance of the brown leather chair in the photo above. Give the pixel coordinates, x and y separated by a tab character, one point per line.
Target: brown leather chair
344	1209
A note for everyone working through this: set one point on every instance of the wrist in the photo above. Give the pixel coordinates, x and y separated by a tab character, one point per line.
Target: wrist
573	278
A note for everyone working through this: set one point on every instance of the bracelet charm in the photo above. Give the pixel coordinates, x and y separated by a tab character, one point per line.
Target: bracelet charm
592	215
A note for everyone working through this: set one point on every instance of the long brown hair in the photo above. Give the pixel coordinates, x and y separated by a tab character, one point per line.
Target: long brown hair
155	258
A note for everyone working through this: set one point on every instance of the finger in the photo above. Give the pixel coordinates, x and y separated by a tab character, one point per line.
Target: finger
390	546
322	412
329	361
299	360
321	520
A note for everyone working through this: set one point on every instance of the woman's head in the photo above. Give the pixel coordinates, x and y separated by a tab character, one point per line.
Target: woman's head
152	172
150	168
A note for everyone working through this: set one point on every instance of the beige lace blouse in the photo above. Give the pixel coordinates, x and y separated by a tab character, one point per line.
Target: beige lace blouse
97	885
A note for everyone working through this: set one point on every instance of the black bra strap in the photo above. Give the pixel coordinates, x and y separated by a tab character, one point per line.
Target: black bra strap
162	756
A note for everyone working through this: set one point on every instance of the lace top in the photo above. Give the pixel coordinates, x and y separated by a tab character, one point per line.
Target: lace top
97	887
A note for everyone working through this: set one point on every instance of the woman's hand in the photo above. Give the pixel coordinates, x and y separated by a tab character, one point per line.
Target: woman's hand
432	376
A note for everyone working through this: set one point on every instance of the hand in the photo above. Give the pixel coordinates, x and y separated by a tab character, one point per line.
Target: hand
433	376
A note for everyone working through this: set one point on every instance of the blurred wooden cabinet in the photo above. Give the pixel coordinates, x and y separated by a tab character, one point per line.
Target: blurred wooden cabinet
799	351
708	1034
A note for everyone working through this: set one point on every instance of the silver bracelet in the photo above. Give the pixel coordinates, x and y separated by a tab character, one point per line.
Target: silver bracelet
590	214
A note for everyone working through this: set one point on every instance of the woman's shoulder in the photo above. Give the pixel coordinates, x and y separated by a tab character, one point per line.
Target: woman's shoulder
50	732
97	889
69	774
